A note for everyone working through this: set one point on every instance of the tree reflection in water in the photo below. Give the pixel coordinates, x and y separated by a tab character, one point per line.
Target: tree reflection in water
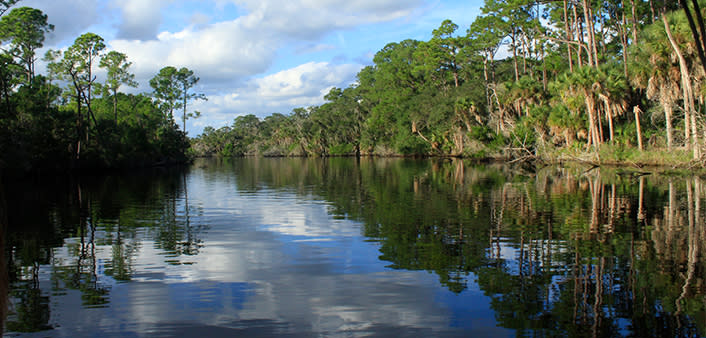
78	215
583	252
559	251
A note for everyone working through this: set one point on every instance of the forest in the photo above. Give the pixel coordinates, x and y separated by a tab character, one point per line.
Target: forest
603	81
66	119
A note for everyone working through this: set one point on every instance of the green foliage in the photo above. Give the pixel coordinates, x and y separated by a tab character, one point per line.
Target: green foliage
342	149
45	126
408	144
118	73
24	29
449	95
525	135
171	88
482	133
452	95
167	90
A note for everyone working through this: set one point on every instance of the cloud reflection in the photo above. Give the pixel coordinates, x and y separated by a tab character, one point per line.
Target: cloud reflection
273	264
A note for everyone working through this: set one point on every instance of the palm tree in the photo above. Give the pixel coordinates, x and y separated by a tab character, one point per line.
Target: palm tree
613	93
524	93
653	70
585	82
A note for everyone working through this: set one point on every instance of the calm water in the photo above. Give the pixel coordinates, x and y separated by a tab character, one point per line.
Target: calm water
345	247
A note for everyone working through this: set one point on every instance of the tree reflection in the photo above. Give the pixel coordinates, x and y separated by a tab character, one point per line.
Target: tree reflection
561	251
96	220
82	273
31	314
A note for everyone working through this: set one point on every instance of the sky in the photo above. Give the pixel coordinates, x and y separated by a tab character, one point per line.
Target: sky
252	56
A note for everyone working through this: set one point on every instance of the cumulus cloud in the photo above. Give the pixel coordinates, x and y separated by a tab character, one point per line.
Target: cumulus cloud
301	86
140	18
70	17
310	19
228	54
219	53
307	80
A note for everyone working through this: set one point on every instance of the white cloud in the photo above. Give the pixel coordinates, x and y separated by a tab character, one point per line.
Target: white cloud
311	19
228	54
140	18
71	18
302	86
307	80
221	52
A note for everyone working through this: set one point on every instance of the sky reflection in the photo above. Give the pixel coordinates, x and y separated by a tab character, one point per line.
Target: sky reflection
269	262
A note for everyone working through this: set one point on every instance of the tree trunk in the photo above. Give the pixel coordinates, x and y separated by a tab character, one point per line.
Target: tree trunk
688	91
513	37
115	106
545	81
668	117
695	137
592	32
487	83
623	29
79	134
637	110
569	36
599	122
592	125
579	32
652	10
702	30
525	46
697	33
184	126
609	117
79	120
687	128
634	22
589	29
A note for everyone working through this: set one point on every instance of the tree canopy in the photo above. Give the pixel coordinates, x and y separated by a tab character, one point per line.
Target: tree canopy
68	118
605	81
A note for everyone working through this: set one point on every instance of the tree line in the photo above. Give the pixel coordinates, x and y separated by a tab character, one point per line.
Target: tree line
67	119
603	79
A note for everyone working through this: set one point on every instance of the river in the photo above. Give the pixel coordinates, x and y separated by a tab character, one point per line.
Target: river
354	247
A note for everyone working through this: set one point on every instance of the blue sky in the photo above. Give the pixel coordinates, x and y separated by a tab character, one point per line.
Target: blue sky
253	56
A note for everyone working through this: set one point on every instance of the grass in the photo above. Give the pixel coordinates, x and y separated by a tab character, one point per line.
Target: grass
622	156
677	157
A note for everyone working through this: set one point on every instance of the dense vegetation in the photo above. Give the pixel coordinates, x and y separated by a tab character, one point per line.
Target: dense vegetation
598	79
67	119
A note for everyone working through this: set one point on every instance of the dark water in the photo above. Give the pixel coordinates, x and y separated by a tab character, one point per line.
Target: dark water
340	247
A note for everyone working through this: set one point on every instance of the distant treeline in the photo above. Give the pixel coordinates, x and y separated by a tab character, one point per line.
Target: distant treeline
66	119
605	79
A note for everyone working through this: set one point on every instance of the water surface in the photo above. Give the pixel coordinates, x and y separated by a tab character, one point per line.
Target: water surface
346	247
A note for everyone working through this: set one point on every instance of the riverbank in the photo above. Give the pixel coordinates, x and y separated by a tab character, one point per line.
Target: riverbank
659	159
654	160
